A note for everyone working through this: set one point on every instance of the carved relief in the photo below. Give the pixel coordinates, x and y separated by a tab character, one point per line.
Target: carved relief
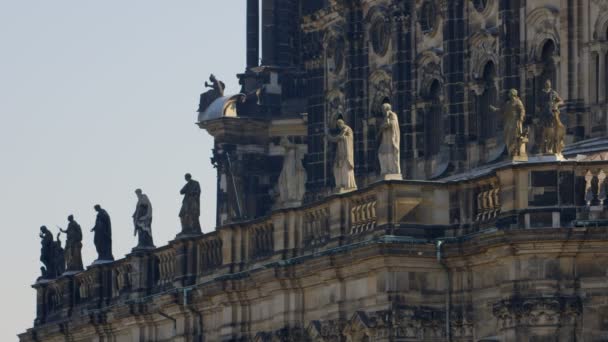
334	46
379	29
543	23
484	49
381	89
316	227
363	215
335	107
537	311
262	240
429	67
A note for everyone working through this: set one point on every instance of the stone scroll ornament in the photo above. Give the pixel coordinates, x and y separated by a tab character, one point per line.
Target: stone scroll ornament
51	255
191	207
552	128
103	235
292	180
390	137
142	221
344	163
73	246
516	136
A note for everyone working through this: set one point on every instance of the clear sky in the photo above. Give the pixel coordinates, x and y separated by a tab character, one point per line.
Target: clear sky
98	98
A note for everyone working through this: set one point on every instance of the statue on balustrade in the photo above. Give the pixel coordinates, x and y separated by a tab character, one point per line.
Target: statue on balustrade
73	245
191	207
344	163
552	128
390	137
292	180
142	221
516	136
51	255
103	235
216	91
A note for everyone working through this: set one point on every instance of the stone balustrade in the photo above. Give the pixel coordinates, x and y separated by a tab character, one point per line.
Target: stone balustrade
526	195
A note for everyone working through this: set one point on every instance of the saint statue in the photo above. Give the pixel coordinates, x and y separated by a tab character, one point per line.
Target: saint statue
51	255
73	245
292	180
516	137
47	253
388	153
59	256
216	91
191	207
552	128
103	235
344	163
142	221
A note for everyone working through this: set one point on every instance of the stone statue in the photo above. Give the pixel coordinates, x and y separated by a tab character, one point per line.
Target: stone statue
103	235
51	255
553	131
59	256
73	245
292	181
47	253
344	163
191	206
390	138
142	221
516	137
216	91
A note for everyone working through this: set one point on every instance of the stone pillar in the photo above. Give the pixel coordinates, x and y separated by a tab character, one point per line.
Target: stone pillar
253	33
601	74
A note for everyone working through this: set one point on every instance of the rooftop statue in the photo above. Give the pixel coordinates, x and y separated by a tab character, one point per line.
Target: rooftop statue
47	254
73	245
142	221
292	180
216	91
390	137
191	206
516	137
103	235
344	163
552	128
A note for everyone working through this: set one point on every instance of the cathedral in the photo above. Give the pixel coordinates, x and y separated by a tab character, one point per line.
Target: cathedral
391	170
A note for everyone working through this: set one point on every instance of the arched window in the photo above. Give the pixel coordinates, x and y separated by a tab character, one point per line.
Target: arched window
433	123
489	121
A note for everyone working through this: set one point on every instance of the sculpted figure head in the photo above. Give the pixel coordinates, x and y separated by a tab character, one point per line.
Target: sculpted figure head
548	84
386	107
188	177
138	192
513	94
97	207
71	218
340	123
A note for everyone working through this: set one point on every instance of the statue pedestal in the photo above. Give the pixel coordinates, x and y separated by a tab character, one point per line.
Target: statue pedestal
143	248
343	190
392	176
520	158
288	205
547	158
101	262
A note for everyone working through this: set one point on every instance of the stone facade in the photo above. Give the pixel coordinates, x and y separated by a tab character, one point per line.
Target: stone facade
470	246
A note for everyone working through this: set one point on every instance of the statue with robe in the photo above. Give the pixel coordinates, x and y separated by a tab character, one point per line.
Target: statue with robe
292	180
47	253
103	235
390	137
344	163
514	114
59	256
142	221
191	206
552	128
216	91
73	246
